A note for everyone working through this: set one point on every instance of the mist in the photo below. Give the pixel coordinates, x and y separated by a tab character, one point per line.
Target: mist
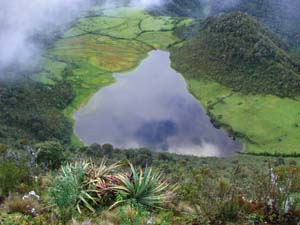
28	26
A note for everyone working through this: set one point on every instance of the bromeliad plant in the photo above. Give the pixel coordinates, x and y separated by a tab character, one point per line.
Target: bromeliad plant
145	188
82	185
86	185
100	179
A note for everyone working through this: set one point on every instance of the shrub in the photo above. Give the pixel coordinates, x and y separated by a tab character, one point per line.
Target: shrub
3	150
50	154
11	176
27	206
100	180
66	190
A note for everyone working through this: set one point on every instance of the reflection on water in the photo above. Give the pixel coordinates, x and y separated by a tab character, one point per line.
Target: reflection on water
151	107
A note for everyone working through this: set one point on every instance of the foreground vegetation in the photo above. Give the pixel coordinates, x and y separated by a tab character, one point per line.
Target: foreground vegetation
167	189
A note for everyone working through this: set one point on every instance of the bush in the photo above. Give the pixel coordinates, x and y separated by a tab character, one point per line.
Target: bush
50	154
66	189
11	176
27	206
136	214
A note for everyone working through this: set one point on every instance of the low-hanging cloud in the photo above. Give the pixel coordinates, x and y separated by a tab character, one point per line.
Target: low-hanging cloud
22	20
26	25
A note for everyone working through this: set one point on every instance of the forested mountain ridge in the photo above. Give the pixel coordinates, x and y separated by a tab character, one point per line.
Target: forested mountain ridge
239	52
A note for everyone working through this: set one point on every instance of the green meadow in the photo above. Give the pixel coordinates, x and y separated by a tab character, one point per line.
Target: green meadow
265	124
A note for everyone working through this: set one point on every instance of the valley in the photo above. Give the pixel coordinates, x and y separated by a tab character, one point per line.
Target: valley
104	42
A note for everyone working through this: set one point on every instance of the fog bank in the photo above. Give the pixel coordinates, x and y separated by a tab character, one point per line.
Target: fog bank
26	26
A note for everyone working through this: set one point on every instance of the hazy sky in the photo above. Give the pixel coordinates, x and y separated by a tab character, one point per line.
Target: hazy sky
21	19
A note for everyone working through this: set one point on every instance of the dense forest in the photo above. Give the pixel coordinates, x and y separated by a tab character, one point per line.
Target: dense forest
32	112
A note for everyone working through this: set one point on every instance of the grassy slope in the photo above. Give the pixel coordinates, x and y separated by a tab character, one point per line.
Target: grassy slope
98	46
269	123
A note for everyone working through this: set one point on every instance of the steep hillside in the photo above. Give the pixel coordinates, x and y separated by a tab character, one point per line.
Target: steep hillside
282	17
238	52
33	112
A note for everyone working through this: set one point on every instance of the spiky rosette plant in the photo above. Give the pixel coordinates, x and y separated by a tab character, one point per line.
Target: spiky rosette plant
84	185
101	178
143	187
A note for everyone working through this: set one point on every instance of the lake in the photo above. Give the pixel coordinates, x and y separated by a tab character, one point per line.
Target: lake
151	107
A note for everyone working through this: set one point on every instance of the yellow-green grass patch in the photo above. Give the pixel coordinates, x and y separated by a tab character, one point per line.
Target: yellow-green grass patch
111	55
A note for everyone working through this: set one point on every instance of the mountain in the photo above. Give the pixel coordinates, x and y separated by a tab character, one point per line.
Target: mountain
239	52
282	17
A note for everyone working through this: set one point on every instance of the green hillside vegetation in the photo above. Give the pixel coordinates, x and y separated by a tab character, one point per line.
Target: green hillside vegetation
282	17
28	110
257	120
238	52
236	67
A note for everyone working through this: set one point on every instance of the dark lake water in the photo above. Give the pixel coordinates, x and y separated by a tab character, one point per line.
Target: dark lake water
151	107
